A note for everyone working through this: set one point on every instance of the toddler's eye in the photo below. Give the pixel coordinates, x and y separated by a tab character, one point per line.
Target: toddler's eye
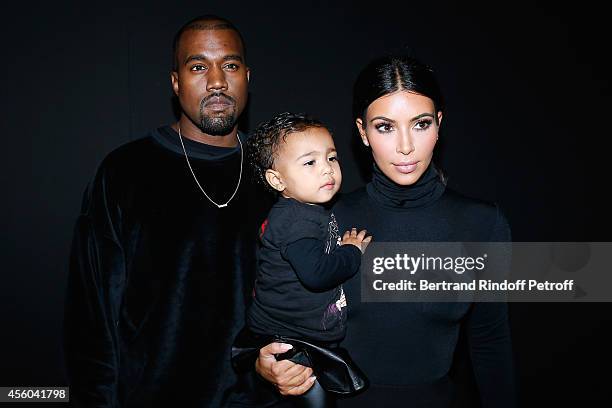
309	163
333	158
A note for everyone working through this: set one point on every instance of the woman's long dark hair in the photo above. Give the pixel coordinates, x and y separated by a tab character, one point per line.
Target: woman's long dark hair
390	74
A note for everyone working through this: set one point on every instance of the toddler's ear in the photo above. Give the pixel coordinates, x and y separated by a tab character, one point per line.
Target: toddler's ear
274	179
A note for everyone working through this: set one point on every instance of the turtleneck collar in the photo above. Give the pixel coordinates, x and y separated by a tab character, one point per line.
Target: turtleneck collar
387	193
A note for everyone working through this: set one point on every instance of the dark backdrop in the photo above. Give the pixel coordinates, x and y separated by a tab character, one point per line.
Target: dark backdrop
527	91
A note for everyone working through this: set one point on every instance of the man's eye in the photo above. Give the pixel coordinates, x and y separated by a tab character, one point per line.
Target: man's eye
309	163
423	124
231	67
384	127
198	68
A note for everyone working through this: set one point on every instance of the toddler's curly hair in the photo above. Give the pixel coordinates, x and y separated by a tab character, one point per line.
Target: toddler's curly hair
264	143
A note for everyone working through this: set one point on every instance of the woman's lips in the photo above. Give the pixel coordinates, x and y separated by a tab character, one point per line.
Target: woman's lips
406	167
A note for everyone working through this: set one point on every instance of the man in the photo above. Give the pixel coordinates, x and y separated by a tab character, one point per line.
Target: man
163	256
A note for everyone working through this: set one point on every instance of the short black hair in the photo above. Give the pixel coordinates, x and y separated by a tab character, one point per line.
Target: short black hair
204	22
262	147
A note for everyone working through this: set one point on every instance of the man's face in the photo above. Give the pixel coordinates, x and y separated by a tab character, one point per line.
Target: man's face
211	79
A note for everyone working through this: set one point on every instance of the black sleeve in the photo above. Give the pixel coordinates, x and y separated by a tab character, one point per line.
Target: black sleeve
317	270
490	343
501	229
491	353
92	303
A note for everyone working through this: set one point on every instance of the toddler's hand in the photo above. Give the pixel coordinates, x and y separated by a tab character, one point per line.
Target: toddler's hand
359	240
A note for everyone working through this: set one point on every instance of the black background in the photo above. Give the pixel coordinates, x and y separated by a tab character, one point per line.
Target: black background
527	90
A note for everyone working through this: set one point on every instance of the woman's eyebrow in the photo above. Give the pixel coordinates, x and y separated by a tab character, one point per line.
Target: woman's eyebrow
382	118
422	115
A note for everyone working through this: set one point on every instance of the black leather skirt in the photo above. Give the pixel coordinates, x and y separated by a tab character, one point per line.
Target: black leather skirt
337	374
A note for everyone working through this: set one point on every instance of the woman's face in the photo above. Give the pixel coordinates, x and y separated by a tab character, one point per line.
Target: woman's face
401	129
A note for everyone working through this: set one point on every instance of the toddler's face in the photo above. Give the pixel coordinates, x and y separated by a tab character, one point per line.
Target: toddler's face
306	167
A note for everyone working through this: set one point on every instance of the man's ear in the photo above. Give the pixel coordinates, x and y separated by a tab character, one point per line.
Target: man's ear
248	74
362	132
274	179
175	82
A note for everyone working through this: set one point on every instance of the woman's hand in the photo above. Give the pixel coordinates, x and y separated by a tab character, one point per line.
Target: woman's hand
289	378
359	240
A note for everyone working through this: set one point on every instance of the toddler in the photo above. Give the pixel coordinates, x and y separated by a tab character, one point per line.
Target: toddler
303	260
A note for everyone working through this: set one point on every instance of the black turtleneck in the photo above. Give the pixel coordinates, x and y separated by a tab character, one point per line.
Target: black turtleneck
393	196
407	349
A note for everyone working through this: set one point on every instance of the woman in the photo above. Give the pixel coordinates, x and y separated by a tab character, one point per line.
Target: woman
407	349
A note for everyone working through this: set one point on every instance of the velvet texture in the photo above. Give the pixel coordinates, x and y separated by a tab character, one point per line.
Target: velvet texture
160	277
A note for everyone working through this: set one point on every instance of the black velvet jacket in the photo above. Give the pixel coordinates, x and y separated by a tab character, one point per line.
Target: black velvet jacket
159	276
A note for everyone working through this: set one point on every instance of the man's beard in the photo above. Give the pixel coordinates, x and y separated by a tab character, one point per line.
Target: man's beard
218	125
